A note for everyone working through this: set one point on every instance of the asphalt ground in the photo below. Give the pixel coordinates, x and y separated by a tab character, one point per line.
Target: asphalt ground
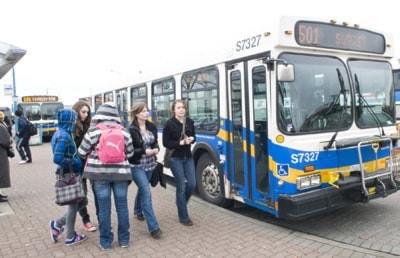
217	232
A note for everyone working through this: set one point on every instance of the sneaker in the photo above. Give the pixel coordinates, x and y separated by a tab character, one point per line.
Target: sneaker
187	223
124	246
105	248
156	233
139	217
29	161
55	231
22	162
89	227
75	240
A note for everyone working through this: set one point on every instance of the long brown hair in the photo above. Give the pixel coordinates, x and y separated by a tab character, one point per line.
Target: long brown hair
136	109
179	101
81	127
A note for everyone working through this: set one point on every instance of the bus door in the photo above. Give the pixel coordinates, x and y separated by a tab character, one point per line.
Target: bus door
248	164
122	106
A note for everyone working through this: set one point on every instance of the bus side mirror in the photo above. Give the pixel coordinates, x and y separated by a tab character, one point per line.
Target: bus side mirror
285	72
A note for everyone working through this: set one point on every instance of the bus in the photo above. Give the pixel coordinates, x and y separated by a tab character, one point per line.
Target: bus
396	76
41	110
297	121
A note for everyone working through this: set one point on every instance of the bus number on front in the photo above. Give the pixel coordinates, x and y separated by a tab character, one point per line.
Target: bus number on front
308	35
304	157
248	43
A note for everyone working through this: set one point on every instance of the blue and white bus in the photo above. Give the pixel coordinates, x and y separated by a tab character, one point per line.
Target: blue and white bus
299	120
41	110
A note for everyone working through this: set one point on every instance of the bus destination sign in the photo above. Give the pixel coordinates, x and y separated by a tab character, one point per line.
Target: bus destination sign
325	35
39	98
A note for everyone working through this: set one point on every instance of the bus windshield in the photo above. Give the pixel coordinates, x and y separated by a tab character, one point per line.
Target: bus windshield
320	99
374	93
40	111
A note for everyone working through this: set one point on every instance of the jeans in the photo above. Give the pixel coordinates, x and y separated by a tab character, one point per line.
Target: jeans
102	191
185	180
143	203
68	219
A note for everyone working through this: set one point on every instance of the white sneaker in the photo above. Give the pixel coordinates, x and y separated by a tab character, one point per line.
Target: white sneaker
22	162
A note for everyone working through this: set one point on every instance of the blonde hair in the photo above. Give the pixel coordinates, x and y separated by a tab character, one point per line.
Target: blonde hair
1	116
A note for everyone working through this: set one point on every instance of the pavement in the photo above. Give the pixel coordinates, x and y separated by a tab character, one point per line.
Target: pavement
217	232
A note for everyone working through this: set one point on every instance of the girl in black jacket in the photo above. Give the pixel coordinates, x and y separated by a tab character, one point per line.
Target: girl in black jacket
181	163
143	161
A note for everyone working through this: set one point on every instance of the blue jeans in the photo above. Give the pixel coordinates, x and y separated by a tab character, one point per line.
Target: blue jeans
102	190
185	180
143	203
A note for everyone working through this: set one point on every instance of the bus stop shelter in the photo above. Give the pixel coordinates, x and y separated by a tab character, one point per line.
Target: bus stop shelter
9	56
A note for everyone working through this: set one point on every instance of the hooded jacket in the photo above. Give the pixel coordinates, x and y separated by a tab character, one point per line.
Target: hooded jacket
62	142
94	169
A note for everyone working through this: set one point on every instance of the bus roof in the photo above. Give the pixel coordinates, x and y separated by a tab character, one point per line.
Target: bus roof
9	56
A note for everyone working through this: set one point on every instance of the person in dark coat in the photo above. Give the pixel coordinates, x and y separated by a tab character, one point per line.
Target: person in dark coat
145	143
181	162
84	118
5	143
9	124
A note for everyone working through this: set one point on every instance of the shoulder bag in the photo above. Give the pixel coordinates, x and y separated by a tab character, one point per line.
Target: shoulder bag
68	188
10	152
158	176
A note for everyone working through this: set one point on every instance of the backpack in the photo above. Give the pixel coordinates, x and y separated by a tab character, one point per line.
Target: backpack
31	128
111	146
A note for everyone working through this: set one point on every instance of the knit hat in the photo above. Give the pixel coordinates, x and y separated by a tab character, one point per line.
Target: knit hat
106	112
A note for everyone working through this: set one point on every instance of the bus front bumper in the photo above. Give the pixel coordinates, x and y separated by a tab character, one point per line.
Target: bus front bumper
309	204
319	201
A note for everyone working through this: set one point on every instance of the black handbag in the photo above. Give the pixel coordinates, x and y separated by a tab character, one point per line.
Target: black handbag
158	176
10	152
68	188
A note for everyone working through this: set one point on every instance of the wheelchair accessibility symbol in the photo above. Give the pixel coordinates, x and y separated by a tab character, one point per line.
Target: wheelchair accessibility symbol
283	169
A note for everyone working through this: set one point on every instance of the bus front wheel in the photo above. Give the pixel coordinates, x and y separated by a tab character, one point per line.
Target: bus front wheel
209	183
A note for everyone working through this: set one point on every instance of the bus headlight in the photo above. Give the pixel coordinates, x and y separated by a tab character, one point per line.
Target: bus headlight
306	182
395	165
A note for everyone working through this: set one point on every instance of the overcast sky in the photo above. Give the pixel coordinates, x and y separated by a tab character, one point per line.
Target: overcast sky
78	47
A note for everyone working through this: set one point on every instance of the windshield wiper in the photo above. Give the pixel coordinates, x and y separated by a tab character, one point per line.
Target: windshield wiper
342	91
370	110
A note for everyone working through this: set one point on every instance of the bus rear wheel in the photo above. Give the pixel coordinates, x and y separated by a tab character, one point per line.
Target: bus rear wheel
209	181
